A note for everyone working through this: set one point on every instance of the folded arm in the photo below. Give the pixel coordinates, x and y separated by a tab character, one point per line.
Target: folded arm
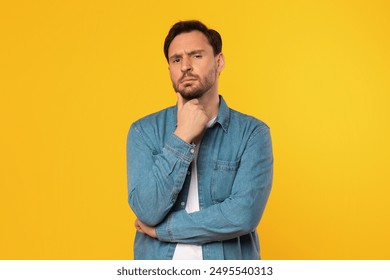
238	214
155	178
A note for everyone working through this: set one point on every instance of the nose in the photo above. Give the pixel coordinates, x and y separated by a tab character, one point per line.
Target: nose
186	65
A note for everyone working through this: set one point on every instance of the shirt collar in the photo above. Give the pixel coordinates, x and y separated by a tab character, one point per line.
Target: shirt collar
223	117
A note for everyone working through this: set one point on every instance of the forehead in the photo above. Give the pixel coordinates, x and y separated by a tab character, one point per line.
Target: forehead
189	41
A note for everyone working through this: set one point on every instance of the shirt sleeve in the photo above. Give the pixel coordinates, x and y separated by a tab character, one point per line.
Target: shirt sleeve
237	215
155	177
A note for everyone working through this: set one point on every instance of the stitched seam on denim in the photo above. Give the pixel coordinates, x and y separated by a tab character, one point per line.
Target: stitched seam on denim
138	130
176	190
180	155
169	230
259	130
157	235
225	123
226	165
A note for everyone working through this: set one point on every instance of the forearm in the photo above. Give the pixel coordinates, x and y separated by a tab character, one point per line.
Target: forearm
232	218
155	178
238	214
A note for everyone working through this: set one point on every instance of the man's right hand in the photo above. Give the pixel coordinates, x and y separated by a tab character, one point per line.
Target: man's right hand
191	119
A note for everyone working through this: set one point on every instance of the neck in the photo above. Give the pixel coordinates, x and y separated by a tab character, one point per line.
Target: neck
210	102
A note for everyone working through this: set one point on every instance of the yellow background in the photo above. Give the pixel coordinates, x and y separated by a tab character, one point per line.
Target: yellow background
75	74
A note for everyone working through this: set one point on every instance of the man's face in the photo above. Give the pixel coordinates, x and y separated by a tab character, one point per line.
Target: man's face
193	68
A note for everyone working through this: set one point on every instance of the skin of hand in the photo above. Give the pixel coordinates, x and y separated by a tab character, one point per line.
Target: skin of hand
144	228
191	119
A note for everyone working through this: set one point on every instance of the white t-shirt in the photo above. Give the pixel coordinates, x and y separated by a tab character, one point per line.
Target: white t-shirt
191	251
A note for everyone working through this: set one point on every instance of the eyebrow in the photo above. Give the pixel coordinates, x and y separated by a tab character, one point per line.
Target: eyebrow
190	53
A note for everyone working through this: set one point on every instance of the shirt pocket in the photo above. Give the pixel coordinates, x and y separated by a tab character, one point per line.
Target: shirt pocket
224	173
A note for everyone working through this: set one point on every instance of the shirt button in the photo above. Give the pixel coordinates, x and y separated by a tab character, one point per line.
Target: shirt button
192	151
188	173
183	203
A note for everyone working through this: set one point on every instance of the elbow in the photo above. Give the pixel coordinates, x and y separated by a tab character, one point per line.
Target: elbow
145	214
248	224
245	221
149	221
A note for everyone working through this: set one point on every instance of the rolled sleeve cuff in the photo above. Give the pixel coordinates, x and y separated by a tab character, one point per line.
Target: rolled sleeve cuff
180	148
163	231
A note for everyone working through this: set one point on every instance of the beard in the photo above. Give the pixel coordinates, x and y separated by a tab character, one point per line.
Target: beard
197	87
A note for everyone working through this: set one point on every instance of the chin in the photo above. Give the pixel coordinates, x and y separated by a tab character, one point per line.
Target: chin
191	95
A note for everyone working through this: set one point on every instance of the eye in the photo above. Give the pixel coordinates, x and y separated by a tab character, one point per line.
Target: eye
175	60
198	56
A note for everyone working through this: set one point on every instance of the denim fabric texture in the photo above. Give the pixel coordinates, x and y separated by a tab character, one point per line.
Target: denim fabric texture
235	169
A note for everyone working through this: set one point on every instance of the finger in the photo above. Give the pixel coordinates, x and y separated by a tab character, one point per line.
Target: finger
180	101
139	230
138	224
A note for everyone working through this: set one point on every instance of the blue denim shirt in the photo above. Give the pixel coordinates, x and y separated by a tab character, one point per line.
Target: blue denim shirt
235	167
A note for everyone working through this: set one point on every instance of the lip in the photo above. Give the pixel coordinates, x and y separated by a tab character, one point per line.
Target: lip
188	80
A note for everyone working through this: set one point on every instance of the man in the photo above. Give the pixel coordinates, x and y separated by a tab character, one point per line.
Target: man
199	173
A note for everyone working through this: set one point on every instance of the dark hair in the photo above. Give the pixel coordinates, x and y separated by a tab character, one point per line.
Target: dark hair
212	36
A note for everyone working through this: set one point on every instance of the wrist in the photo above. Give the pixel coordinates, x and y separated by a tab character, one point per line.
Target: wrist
183	136
153	233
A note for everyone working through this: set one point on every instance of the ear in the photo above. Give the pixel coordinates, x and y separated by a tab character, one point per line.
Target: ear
220	62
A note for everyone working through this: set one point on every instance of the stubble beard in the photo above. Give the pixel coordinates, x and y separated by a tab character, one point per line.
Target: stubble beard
196	91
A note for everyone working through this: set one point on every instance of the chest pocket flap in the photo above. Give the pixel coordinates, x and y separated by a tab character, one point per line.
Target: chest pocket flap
224	173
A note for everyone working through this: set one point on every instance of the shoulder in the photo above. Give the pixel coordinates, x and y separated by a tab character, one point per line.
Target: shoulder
237	123
164	113
155	120
246	123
